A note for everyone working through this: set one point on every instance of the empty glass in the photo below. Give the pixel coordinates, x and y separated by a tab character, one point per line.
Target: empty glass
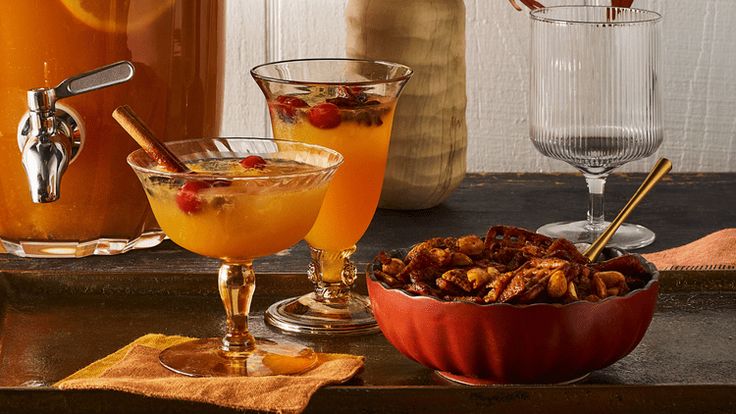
595	101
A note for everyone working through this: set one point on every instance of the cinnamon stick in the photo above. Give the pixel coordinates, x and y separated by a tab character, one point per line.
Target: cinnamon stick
147	140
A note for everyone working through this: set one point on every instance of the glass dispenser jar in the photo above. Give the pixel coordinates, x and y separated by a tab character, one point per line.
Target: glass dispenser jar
98	207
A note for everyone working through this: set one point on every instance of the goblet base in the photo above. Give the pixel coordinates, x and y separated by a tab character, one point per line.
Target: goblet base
206	358
627	237
306	315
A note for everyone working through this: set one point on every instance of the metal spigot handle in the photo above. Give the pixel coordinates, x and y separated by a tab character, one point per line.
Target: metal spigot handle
93	80
49	138
44	99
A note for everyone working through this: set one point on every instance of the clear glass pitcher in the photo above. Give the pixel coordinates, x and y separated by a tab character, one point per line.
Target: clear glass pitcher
175	47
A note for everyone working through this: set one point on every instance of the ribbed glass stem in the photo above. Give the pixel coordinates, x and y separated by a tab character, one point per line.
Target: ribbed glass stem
596	213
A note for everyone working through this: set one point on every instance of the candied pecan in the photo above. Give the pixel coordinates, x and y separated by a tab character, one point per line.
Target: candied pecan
572	292
527	278
392	266
459	278
614	281
557	284
628	264
565	249
460	259
421	288
599	286
497	286
440	257
449	288
420	261
424	274
425	245
471	245
480	277
388	279
514	237
530	294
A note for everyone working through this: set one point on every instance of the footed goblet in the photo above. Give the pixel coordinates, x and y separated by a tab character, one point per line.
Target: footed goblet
347	105
595	101
246	198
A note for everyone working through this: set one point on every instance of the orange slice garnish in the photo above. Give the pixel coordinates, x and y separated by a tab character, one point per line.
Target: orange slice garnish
117	15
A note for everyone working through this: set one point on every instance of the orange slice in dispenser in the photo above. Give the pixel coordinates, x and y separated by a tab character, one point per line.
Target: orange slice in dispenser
117	15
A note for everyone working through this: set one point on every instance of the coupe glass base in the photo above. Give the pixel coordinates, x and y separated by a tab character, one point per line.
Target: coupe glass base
306	315
205	358
627	237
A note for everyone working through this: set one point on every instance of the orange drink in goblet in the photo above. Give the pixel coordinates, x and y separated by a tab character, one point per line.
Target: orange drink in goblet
247	198
347	105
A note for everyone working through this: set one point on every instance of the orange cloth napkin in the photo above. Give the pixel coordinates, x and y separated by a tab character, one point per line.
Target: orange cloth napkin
715	249
136	369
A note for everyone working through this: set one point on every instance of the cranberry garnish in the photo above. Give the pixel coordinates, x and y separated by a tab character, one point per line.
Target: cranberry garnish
325	115
187	198
253	161
287	105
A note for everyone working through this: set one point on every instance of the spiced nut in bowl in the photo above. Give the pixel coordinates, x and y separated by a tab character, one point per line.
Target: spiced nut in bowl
533	334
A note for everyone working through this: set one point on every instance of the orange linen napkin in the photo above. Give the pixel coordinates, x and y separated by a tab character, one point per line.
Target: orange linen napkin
715	249
136	369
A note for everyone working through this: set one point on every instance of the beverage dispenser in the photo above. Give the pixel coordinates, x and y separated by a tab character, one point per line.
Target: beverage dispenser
65	188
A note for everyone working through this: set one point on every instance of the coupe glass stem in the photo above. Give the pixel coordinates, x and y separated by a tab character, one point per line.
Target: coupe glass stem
237	281
596	220
333	275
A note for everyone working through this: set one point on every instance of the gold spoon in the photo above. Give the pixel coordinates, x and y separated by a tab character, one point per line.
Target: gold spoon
660	169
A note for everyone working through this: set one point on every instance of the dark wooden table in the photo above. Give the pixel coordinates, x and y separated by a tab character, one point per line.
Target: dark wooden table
682	208
58	315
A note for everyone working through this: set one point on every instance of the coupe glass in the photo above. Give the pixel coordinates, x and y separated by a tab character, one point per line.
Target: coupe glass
238	214
595	101
347	105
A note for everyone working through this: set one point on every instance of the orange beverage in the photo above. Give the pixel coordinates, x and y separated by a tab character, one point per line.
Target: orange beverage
353	196
174	46
347	105
248	198
235	220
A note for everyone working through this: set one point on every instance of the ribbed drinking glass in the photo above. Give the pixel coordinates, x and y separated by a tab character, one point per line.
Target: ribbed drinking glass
595	101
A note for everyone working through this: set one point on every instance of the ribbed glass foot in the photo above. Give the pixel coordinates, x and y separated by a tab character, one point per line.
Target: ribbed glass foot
627	237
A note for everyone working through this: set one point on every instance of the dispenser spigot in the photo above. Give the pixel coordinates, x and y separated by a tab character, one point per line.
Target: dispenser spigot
50	137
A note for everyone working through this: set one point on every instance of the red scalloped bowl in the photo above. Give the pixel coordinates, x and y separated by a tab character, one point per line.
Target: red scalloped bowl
503	343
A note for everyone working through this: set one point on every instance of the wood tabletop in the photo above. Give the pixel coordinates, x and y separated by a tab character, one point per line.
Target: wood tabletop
682	208
52	326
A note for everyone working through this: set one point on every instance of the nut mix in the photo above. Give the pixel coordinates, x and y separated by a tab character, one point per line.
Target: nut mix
511	265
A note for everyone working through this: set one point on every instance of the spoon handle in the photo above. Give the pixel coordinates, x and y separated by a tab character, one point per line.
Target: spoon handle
660	169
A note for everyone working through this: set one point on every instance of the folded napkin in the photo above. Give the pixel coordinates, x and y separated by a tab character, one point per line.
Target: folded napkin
715	249
136	369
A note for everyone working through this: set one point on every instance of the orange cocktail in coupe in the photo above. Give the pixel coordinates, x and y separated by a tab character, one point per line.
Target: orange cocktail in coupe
243	198
347	105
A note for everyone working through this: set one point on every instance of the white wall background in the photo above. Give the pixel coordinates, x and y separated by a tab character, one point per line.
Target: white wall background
699	47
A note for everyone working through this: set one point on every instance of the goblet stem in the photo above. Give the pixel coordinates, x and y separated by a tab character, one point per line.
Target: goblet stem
333	275
596	219
236	282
